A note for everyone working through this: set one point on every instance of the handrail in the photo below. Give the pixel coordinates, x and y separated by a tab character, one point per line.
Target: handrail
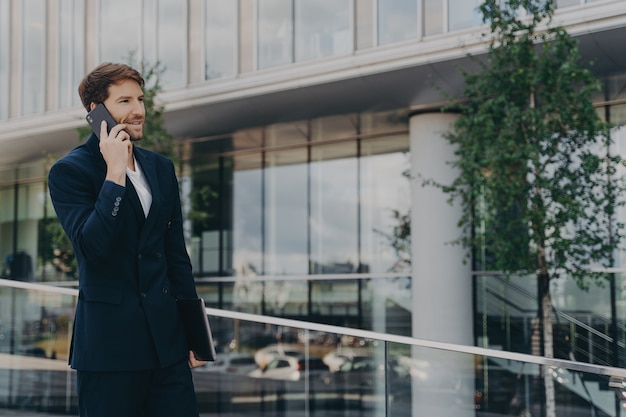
472	350
37	287
265	278
517	307
312	277
584	326
386	337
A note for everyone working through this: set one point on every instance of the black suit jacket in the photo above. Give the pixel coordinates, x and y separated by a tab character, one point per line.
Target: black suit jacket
131	268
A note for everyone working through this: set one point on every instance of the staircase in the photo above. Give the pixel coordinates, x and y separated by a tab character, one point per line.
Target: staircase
506	319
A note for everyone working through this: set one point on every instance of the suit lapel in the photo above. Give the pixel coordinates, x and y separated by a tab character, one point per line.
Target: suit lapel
149	170
135	203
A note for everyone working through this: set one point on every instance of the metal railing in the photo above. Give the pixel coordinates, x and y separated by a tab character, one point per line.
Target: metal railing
327	369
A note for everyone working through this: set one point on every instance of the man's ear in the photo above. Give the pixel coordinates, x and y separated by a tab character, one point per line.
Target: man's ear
92	106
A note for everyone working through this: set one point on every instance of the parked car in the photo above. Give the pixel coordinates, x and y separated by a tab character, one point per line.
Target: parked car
338	357
355	372
232	363
267	354
291	368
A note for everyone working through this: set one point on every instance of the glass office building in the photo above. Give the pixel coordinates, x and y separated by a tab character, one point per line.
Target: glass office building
303	128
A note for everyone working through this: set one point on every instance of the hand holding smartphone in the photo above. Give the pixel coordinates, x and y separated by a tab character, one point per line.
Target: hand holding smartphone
97	115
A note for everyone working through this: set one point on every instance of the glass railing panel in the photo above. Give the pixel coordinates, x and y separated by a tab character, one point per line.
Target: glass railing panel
586	326
271	366
375	376
35	331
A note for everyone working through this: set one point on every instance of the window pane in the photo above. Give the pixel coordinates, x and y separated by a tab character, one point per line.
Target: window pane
33	61
220	42
4	59
247	215
171	33
119	29
433	17
334	127
618	116
385	204
275	33
286	213
287	134
463	14
384	122
397	21
334	231
7	216
211	213
322	28
71	50
618	135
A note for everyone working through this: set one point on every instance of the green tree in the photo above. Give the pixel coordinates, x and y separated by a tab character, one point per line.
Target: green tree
534	159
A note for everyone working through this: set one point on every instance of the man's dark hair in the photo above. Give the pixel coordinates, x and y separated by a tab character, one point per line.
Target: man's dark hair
94	88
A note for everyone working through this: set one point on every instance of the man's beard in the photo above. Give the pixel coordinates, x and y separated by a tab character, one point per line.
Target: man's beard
131	127
134	136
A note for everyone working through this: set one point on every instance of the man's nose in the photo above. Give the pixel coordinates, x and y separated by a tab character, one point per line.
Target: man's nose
138	108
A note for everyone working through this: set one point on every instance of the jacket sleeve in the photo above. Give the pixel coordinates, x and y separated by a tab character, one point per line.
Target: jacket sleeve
88	215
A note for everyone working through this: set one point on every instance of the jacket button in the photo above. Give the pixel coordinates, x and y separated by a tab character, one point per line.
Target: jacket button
144	295
165	291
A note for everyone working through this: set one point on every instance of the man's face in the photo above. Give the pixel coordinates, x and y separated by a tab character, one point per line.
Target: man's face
125	103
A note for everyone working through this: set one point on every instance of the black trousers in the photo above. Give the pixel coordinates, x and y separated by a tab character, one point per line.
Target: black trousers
167	392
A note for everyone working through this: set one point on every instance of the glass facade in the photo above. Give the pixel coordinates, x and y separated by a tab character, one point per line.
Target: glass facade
463	14
220	38
323	28
32	244
397	21
119	33
291	31
148	31
5	27
310	197
274	33
71	50
33	56
238	37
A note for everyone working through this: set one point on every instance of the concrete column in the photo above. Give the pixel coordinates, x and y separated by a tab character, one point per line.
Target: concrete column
441	282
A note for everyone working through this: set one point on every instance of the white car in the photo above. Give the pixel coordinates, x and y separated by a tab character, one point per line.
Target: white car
232	363
336	358
268	353
290	368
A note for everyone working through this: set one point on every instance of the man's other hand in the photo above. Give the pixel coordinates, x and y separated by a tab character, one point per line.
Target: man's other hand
193	362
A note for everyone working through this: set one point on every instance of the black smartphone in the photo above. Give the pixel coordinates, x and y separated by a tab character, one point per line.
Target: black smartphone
97	115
